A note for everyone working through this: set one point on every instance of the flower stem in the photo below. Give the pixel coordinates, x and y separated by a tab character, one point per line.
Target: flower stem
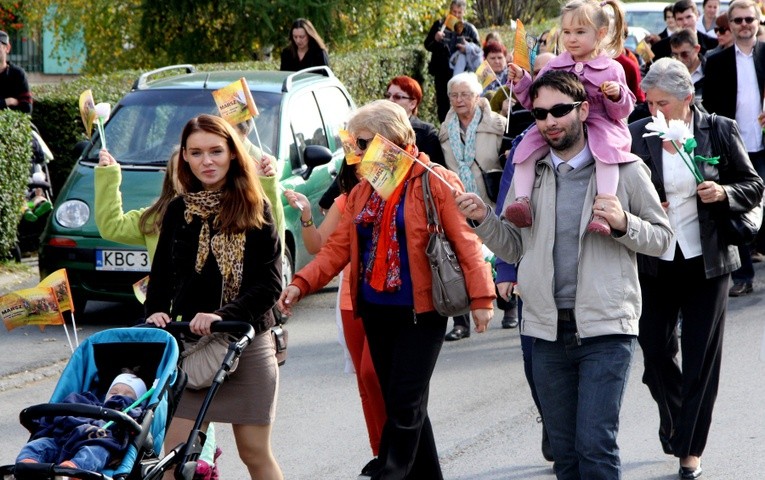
688	163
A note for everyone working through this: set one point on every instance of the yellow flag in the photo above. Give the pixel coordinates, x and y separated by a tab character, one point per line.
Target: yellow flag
450	21
521	48
485	74
385	165
59	282
235	102
87	111
350	151
32	306
140	288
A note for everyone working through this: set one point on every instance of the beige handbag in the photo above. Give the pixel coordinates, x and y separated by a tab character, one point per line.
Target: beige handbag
202	359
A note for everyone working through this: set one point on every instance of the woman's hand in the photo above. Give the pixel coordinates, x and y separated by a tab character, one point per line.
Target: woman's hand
160	319
711	192
471	206
202	322
505	289
266	167
298	201
481	318
290	296
105	158
611	90
610	208
514	73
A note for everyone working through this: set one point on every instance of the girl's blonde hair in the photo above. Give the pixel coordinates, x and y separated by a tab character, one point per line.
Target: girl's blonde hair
606	14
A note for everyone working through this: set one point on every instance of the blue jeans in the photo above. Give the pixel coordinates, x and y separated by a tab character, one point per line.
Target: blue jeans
581	384
47	450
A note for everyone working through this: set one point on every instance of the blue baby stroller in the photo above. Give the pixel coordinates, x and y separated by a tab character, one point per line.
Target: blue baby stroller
154	355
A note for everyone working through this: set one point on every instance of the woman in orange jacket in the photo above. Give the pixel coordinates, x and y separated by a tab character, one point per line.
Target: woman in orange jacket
384	241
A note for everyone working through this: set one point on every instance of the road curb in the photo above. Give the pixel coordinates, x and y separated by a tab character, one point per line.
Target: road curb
20	379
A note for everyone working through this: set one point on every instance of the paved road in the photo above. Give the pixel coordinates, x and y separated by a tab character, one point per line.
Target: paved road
482	413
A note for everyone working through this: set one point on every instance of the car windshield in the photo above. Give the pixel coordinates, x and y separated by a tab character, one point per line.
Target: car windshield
651	21
147	124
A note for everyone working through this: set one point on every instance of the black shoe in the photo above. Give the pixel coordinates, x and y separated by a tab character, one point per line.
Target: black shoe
688	472
546	448
371	467
665	445
510	318
740	289
458	333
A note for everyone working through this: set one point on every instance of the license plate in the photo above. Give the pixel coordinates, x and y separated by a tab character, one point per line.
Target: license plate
122	261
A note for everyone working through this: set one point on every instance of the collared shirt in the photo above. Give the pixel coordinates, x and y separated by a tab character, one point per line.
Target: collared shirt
680	188
578	160
748	101
697	74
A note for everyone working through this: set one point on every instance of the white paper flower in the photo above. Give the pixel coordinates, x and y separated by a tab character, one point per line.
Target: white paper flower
103	110
675	130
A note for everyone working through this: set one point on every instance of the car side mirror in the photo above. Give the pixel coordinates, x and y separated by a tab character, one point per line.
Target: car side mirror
314	156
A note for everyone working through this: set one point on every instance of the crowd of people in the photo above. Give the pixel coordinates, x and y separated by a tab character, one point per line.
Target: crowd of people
605	239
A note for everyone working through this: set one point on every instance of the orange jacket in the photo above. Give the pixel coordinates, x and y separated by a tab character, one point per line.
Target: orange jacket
342	246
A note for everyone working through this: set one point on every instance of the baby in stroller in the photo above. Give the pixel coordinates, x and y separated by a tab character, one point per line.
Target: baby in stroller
86	443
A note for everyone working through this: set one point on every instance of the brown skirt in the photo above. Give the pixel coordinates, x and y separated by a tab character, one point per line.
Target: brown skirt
247	396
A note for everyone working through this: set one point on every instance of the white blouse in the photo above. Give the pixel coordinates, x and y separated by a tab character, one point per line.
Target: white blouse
680	187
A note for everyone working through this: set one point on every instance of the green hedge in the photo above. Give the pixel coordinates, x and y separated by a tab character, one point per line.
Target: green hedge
366	75
15	155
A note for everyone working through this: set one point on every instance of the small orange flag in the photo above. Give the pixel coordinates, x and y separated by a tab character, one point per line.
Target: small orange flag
59	282
521	55
32	306
385	165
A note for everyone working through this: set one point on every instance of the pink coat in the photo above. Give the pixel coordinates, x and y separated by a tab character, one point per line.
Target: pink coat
609	138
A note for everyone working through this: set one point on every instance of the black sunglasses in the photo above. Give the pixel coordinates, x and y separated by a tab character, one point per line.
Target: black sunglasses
740	20
557	111
363	143
721	30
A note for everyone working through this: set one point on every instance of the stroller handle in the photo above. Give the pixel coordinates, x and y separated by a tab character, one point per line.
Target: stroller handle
242	329
29	414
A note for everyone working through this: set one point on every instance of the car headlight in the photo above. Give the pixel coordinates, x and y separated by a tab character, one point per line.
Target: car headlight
73	214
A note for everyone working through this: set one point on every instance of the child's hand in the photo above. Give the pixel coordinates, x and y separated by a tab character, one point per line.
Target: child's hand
105	158
514	73
265	167
611	90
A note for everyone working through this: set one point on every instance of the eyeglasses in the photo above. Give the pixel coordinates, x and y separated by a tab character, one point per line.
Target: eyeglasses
685	54
363	143
740	20
557	111
721	30
395	96
461	95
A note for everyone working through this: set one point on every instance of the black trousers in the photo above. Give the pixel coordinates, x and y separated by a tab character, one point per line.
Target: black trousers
685	396
404	351
442	95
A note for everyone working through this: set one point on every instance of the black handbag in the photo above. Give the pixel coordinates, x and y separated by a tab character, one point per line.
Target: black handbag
450	297
491	180
734	228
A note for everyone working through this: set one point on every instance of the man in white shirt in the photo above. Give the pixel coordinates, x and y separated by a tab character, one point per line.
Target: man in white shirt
733	87
686	49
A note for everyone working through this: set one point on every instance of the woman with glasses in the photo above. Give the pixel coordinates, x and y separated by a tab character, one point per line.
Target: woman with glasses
384	241
724	35
407	92
471	139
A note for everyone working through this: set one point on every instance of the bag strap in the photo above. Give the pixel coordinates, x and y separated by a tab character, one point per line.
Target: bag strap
714	139
434	224
479	166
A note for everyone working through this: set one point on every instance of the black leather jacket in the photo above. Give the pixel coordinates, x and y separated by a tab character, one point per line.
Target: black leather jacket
735	173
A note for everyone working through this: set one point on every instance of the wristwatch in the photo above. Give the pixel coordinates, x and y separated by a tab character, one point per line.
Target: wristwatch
306	223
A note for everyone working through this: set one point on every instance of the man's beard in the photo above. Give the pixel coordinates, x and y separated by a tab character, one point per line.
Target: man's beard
569	139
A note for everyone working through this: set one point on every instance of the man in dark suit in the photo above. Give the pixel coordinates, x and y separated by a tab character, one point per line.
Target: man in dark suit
686	16
686	49
733	88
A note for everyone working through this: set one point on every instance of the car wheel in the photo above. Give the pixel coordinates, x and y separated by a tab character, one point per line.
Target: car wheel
288	270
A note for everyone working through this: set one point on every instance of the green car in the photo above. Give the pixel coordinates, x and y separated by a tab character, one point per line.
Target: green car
300	116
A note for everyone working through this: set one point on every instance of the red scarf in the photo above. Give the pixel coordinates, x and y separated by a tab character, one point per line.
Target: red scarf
384	270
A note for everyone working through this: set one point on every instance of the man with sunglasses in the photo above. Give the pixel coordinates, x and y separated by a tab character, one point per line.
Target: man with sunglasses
686	49
686	18
734	87
581	292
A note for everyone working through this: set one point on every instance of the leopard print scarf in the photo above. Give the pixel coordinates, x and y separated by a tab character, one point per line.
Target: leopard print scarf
228	248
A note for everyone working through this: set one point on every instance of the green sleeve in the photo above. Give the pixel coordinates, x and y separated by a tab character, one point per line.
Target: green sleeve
114	224
271	189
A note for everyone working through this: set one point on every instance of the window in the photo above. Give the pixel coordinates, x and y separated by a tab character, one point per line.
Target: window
335	109
307	127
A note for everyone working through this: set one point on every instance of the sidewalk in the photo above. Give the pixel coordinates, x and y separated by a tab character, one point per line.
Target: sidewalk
11	281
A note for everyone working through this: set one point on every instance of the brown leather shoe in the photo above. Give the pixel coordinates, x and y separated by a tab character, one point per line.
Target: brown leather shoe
740	289
519	212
